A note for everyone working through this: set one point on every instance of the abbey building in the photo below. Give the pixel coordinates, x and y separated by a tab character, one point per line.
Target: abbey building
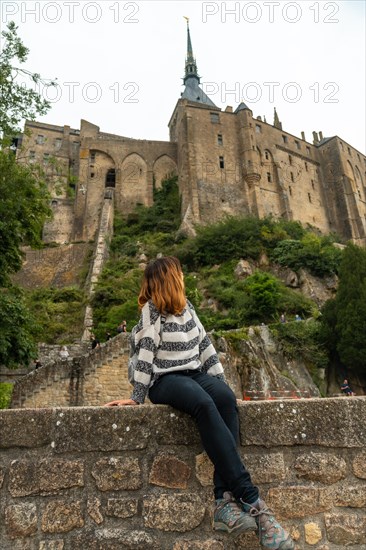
228	163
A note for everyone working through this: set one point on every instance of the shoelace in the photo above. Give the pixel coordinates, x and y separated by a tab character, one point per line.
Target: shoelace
227	508
269	524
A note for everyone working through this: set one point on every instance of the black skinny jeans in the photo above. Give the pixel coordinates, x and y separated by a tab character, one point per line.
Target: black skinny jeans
212	404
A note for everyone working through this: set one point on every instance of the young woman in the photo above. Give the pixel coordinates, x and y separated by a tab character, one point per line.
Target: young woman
178	366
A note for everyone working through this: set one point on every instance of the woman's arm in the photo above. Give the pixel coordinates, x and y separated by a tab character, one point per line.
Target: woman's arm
121	403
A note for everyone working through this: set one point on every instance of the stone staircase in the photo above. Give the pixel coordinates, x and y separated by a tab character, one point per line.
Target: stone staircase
91	379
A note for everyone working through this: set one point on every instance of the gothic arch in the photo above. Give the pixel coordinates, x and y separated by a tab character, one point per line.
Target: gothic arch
100	163
133	185
164	166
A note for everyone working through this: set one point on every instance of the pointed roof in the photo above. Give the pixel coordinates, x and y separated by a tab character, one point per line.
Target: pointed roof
276	120
192	91
241	107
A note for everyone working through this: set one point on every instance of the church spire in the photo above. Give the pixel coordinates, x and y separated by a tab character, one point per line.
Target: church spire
276	121
191	80
191	66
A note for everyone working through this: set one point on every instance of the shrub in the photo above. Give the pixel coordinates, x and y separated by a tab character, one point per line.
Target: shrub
6	391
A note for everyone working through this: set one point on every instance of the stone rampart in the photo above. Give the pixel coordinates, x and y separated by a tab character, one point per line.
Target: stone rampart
90	379
136	478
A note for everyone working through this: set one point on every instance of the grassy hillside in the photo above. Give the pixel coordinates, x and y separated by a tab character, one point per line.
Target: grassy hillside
223	300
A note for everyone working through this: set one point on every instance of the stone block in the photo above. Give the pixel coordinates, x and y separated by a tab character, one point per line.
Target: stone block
93	508
324	422
114	539
102	429
210	544
21	520
349	495
313	533
58	544
122	507
169	471
345	529
56	474
247	541
204	470
61	516
23	478
265	467
359	465
171	427
323	467
25	428
173	512
117	473
47	476
298	501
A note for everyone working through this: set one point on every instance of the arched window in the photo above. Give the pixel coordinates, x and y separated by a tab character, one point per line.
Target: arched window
110	180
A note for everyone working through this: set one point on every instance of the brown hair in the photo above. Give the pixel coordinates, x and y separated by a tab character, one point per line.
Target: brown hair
163	284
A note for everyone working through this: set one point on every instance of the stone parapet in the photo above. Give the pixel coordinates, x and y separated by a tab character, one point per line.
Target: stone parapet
88	379
136	477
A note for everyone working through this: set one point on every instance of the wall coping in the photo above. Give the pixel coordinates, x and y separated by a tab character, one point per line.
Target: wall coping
325	422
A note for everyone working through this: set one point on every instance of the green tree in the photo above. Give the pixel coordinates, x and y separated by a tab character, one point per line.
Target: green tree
23	210
17	102
17	327
24	203
344	318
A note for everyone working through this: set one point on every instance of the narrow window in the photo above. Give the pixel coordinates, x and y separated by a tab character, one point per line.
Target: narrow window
46	157
312	184
309	197
298	145
266	154
290	159
40	139
258	128
221	162
349	151
290	190
92	158
308	150
341	144
32	156
58	143
219	139
92	174
306	166
215	118
292	176
358	156
110	180
284	138
269	177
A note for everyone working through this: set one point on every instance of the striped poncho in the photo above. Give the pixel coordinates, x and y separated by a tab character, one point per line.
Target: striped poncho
184	345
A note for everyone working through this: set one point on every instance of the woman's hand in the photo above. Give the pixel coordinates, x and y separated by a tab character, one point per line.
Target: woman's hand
121	403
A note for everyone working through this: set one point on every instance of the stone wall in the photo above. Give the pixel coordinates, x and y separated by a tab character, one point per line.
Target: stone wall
89	379
136	478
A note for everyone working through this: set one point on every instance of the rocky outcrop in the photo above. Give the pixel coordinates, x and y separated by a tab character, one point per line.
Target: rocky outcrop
257	367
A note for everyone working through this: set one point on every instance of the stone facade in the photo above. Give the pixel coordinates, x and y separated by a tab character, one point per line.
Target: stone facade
136	477
228	162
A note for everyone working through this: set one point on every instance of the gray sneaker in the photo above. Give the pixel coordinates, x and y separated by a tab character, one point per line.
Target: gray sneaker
271	534
230	517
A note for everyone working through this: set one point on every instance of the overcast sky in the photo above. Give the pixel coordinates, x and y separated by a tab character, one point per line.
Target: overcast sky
120	64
